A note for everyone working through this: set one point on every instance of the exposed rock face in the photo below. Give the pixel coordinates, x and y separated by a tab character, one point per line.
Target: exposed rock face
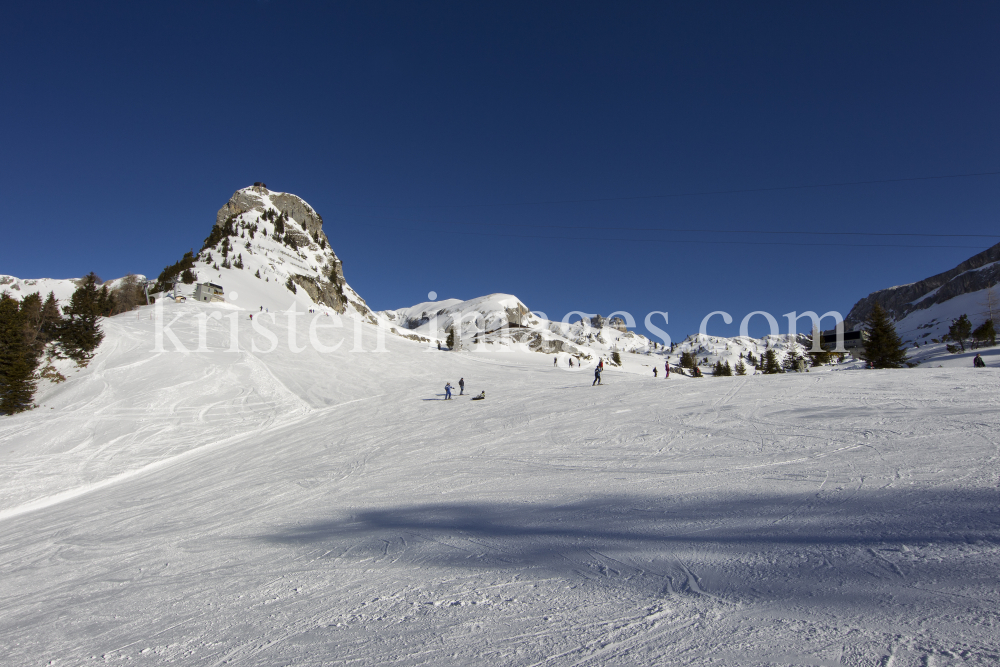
303	213
974	274
325	284
242	201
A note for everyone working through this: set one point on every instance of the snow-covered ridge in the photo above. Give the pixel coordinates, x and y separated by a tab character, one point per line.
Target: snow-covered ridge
62	288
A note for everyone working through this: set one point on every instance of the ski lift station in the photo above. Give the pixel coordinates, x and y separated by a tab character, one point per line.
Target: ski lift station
853	340
209	292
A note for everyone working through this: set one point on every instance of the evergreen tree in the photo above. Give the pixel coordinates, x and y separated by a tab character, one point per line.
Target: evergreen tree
31	315
616	358
258	273
450	341
718	370
105	303
883	348
986	333
791	360
52	319
81	333
728	369
188	277
18	360
741	368
958	331
769	363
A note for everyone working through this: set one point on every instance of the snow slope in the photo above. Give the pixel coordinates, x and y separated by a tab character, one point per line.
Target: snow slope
278	508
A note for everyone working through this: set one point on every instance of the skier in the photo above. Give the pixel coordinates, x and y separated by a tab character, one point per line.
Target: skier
666	370
597	376
482	396
601	364
555	361
654	371
571	362
461	386
447	391
978	362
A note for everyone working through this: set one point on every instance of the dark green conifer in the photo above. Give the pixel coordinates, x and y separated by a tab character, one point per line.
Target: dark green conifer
769	363
985	333
18	360
883	348
958	331
81	333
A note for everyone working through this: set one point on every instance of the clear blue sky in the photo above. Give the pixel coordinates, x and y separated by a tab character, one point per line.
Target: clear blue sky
126	125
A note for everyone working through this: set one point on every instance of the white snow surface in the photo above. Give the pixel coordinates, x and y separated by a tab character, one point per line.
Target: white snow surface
284	508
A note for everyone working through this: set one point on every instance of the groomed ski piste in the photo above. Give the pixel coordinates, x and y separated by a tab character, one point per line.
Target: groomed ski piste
245	507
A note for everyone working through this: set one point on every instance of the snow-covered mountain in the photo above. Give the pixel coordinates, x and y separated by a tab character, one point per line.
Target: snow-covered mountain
268	249
924	309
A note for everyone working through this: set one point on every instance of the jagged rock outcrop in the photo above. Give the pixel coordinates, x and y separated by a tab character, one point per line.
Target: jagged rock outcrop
298	250
974	274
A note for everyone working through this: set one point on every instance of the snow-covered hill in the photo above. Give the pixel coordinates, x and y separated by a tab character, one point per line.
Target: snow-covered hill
497	321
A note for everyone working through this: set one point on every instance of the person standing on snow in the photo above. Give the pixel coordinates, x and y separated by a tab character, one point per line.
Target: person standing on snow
654	371
978	362
555	361
601	364
461	386
447	391
597	376
666	370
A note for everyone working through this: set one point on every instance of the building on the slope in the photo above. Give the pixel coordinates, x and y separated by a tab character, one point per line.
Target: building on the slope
259	187
209	292
853	340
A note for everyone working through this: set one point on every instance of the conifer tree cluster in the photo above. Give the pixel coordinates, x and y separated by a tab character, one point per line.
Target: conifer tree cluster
33	328
722	369
181	271
740	368
985	333
18	359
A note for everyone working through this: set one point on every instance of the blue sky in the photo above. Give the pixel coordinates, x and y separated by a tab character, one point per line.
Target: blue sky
470	148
